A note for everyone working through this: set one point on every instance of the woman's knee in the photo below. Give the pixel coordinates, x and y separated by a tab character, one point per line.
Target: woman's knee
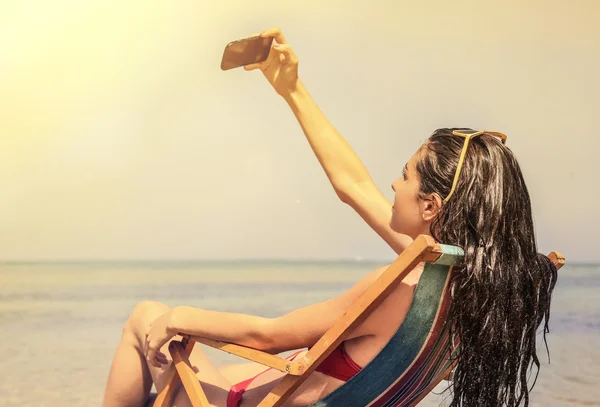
142	316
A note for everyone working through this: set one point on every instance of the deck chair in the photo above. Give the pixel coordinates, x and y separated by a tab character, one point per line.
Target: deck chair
413	362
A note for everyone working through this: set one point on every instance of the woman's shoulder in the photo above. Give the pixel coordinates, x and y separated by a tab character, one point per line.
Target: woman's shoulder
412	278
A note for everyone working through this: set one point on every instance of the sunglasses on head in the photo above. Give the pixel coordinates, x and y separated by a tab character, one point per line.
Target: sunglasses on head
468	135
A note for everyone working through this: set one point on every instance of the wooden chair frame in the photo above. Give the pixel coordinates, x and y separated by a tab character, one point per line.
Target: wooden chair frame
423	249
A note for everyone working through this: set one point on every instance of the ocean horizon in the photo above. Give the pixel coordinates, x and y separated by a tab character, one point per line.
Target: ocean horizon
61	320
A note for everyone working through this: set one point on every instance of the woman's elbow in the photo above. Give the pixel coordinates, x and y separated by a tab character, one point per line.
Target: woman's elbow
345	194
264	338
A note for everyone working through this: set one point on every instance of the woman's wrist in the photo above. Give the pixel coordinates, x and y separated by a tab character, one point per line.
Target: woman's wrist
295	94
174	320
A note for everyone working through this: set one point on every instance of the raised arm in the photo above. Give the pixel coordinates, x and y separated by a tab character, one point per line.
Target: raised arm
347	174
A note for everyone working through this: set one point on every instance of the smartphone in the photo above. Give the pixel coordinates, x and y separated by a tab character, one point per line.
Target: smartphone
246	51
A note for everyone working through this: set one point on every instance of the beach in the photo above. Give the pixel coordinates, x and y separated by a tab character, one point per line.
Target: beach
61	323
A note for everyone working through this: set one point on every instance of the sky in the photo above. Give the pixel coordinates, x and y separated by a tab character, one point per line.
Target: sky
121	138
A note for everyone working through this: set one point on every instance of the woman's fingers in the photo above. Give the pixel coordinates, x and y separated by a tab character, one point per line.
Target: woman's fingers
156	358
252	67
151	355
281	53
274	32
161	358
277	52
150	351
286	50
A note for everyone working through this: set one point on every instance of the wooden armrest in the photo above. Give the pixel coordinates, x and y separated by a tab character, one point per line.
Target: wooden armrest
558	259
265	359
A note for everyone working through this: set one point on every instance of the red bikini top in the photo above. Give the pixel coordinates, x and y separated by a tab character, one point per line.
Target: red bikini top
339	365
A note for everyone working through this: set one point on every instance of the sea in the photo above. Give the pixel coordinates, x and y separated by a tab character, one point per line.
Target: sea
60	323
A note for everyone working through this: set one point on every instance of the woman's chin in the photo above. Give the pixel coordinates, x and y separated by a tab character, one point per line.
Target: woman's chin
399	229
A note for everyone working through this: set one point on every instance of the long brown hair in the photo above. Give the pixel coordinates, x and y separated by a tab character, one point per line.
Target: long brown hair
503	293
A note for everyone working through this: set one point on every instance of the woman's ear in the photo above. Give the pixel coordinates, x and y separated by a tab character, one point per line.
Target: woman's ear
432	203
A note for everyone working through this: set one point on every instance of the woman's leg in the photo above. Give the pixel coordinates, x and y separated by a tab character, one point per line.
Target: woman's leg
242	371
129	380
131	377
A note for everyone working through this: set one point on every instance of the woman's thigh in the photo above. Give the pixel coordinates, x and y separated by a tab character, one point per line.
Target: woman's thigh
240	372
236	373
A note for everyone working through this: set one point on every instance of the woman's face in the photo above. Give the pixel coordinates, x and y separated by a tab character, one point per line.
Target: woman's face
407	211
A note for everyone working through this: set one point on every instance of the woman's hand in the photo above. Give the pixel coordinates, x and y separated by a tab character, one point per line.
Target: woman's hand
158	334
281	67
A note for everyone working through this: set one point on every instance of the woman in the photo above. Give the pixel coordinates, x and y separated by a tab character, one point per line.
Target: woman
461	187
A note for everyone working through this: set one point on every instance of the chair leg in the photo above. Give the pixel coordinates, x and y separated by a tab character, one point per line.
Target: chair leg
187	375
165	397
